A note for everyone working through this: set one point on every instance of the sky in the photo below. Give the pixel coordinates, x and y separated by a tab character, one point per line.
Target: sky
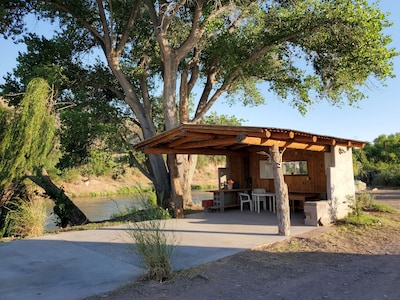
378	114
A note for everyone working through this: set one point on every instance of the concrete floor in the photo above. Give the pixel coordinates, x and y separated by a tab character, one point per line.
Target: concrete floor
78	264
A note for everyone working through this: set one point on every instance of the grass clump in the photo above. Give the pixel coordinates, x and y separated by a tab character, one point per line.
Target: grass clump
28	218
362	220
383	208
152	243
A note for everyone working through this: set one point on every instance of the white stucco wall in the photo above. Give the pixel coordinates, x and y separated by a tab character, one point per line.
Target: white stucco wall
340	181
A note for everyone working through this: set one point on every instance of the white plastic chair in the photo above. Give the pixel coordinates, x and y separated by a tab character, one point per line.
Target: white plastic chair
245	198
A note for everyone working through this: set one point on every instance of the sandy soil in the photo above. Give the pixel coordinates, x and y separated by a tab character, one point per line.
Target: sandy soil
363	263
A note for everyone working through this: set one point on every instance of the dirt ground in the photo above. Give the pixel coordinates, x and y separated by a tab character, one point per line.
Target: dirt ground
363	263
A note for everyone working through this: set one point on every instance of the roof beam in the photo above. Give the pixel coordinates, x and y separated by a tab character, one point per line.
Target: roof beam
214	142
257	141
165	150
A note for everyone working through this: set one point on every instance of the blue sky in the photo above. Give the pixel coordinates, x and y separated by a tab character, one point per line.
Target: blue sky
376	115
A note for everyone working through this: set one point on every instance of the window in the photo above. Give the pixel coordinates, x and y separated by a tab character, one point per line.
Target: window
295	167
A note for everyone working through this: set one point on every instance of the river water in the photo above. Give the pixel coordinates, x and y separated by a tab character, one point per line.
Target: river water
102	208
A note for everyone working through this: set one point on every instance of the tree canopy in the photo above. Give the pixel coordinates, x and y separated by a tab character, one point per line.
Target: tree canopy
379	162
230	46
385	148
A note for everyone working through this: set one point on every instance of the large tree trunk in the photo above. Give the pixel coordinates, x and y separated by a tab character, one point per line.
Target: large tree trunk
281	190
157	170
186	168
160	179
68	213
177	192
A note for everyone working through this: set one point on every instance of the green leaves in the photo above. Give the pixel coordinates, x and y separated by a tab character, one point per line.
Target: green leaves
30	135
306	50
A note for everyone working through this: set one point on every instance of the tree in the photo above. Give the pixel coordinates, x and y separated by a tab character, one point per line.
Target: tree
28	140
282	193
224	48
214	118
29	135
379	162
88	113
385	148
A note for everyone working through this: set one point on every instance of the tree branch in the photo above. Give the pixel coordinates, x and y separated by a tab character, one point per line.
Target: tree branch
128	25
90	28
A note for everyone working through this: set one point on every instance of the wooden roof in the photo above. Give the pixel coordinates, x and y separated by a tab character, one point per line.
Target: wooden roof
223	140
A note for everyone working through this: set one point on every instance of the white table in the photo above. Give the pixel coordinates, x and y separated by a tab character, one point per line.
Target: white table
224	198
271	197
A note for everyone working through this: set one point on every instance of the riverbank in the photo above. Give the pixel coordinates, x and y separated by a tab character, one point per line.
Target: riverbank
132	180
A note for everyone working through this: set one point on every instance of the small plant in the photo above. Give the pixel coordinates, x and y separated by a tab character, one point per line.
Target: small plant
28	219
360	205
152	244
366	200
361	202
355	207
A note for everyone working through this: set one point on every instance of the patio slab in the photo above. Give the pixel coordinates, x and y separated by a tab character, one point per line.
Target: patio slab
78	264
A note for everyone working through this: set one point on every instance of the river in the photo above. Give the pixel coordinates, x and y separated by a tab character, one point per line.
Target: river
102	208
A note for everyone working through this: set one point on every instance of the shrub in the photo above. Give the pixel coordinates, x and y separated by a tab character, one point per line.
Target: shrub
70	175
361	203
152	244
366	200
388	176
28	219
100	163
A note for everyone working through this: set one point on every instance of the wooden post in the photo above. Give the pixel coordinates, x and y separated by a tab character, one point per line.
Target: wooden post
281	190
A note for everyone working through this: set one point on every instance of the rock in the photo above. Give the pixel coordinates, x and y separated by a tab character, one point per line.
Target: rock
360	186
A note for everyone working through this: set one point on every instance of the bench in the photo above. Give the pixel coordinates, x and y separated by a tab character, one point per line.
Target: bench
301	197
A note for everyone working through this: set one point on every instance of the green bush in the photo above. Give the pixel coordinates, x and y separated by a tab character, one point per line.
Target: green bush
70	175
388	176
152	198
100	163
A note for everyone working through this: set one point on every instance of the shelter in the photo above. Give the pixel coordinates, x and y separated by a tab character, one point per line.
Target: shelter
312	164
